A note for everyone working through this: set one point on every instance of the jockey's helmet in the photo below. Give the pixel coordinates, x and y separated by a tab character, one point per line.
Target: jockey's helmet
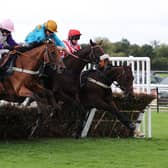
7	24
74	34
51	26
104	57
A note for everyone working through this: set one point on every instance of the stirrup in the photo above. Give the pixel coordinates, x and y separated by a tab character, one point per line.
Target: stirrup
138	134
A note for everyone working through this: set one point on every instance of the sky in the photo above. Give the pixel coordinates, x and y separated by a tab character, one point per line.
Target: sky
139	21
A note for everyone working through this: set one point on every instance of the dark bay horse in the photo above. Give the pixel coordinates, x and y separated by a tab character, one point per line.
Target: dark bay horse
24	80
66	85
97	91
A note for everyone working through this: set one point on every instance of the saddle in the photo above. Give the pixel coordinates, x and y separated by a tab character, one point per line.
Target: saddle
6	64
4	60
83	78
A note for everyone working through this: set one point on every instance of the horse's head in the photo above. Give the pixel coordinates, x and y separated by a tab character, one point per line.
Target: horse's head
91	53
127	79
123	77
51	56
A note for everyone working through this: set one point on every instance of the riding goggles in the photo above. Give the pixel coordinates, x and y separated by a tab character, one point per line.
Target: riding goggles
75	37
5	31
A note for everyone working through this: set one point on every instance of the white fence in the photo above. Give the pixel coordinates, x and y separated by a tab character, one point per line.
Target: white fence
162	97
141	71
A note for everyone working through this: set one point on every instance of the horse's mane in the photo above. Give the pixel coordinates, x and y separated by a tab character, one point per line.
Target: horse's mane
83	49
29	47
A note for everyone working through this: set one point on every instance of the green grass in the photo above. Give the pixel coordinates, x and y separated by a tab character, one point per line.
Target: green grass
90	152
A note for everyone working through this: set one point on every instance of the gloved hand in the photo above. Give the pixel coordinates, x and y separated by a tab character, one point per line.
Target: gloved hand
50	40
8	47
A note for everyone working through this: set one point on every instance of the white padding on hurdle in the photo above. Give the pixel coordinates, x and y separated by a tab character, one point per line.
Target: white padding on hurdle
88	123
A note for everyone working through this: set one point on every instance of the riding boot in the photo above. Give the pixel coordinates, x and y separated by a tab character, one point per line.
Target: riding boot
132	126
59	70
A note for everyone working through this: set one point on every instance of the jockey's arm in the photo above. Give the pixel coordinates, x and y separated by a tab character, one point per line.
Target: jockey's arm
64	49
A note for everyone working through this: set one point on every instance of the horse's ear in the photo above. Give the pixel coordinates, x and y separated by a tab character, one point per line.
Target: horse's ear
126	66
91	42
101	42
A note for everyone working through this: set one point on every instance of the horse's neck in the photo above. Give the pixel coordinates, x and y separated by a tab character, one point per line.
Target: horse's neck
75	65
31	59
115	73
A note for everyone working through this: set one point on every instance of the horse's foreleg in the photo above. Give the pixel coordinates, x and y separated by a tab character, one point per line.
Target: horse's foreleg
79	110
39	115
111	107
67	98
138	132
123	118
52	101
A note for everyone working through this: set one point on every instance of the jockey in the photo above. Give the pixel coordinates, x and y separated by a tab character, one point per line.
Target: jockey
44	32
6	40
104	61
72	42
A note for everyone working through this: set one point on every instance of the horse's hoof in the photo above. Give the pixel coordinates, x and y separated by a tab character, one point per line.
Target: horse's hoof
138	134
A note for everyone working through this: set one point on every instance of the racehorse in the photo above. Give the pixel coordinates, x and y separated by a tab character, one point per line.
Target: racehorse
23	82
96	93
66	85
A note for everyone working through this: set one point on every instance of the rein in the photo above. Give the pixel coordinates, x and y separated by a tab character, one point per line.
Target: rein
99	83
77	57
73	55
19	52
105	78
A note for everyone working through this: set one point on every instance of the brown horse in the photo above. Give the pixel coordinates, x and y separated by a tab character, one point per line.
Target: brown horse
24	80
97	91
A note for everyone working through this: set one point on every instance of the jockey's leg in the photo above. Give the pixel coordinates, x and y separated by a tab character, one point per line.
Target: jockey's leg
3	51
